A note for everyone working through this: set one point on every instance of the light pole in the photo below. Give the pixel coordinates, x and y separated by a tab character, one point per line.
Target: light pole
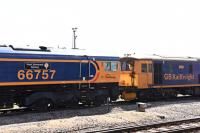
74	37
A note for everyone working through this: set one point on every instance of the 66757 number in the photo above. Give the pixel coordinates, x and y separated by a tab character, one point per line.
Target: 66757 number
36	74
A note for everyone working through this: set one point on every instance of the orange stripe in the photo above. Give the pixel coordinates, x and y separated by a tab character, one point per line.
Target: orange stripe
47	83
40	83
39	60
44	83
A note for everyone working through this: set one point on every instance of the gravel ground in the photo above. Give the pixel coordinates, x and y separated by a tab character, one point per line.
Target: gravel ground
82	120
177	109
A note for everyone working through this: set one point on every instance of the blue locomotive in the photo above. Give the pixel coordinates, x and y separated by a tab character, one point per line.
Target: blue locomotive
42	79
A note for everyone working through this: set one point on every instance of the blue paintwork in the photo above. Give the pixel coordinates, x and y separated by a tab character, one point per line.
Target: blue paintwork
65	71
177	71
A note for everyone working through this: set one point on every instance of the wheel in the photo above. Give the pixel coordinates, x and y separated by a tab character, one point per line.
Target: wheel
44	104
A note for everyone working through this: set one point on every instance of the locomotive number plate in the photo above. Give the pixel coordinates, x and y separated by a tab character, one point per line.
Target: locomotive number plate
36	74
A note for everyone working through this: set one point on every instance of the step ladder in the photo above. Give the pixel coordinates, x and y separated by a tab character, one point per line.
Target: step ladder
84	99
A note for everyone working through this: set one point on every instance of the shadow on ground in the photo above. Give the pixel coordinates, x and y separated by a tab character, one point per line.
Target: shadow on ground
88	111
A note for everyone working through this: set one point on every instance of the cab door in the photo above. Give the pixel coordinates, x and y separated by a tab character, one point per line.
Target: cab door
145	73
127	76
86	74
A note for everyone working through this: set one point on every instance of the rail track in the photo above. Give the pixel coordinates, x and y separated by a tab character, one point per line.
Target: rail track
175	126
180	126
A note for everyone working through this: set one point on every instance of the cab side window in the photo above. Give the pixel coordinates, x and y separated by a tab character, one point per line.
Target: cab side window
147	68
110	66
150	68
107	66
126	66
144	68
114	66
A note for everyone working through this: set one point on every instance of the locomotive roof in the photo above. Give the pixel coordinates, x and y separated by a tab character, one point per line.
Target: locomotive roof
60	53
45	52
162	58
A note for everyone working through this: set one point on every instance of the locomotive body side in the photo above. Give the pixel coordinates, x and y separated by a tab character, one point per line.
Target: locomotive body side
41	80
34	70
158	78
176	73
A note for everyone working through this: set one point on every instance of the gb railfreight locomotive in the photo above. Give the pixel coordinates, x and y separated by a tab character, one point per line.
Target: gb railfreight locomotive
151	78
42	79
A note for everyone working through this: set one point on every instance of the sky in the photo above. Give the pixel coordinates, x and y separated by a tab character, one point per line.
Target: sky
162	27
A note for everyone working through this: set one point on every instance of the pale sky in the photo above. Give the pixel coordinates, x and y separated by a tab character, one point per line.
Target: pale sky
165	27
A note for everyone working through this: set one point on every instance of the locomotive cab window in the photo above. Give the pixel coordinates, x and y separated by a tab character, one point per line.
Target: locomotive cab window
114	66
107	66
110	66
125	66
150	68
144	68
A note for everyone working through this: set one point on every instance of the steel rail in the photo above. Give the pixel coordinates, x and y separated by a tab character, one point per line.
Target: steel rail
166	127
